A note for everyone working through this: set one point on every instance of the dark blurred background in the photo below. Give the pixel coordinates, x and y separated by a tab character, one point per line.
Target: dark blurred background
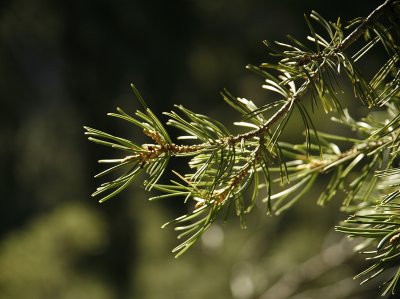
65	64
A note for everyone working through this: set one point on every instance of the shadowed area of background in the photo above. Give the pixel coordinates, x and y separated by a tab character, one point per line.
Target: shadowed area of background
65	64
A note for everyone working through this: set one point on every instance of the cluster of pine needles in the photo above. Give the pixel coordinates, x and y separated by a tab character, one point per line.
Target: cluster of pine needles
230	172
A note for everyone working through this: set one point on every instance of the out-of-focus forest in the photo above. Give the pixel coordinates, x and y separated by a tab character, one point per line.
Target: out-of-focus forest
65	64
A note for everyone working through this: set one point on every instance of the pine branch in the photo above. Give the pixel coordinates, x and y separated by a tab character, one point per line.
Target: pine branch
225	167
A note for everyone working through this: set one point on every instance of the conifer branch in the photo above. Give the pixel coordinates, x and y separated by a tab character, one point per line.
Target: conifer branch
229	171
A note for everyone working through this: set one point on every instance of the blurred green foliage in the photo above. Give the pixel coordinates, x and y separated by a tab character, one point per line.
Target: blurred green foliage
45	258
65	64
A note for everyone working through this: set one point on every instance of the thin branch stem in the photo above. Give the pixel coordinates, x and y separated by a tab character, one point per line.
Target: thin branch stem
373	16
350	39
